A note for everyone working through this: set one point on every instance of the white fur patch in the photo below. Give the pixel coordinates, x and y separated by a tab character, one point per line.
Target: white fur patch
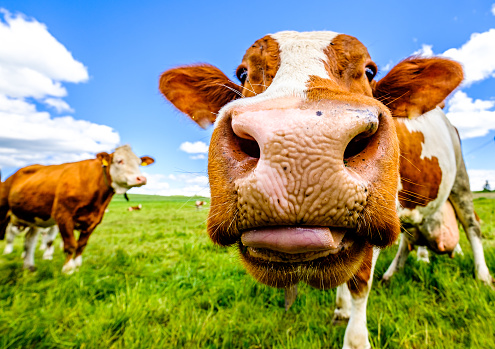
423	254
435	128
69	267
8	249
78	261
301	55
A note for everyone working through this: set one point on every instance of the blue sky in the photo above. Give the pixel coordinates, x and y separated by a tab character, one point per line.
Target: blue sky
95	69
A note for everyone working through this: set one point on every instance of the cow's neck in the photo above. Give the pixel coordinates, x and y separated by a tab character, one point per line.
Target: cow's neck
105	186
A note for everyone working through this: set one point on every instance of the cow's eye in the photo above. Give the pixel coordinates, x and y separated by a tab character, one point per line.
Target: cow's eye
370	72
120	162
242	74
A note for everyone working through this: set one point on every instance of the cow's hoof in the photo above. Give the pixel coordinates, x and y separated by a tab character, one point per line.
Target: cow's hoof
31	268
69	267
48	254
78	261
368	346
340	317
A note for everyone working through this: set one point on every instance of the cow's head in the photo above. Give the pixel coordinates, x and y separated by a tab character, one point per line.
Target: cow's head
124	168
303	161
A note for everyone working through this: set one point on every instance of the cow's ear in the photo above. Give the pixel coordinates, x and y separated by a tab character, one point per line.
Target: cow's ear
417	85
146	160
199	91
105	158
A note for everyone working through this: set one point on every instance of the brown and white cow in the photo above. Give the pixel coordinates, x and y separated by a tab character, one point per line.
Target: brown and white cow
434	190
72	196
199	204
135	208
304	157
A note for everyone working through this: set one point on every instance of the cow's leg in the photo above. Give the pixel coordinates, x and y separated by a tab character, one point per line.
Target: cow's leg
423	254
400	258
342	304
462	201
70	245
356	333
29	247
10	234
49	237
81	245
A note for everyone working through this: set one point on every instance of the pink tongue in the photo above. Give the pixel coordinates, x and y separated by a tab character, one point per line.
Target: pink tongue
294	239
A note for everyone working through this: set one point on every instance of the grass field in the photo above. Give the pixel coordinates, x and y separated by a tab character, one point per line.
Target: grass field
152	279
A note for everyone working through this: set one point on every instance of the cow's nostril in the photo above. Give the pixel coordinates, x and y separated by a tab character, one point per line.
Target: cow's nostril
357	145
249	147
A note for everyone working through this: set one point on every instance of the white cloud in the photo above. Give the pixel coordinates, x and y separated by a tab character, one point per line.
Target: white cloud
477	56
186	185
493	9
198	157
33	66
477	179
473	118
29	50
387	67
424	51
59	105
194	148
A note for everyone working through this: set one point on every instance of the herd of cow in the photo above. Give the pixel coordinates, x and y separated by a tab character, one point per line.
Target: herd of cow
314	166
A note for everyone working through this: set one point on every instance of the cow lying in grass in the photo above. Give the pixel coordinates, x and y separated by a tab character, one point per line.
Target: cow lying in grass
304	158
199	204
72	196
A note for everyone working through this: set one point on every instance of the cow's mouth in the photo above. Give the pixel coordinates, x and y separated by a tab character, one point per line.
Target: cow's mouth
294	244
323	257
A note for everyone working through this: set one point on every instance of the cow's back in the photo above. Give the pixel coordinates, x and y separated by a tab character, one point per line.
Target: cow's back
33	190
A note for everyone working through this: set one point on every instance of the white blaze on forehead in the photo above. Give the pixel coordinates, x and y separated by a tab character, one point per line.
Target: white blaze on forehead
301	56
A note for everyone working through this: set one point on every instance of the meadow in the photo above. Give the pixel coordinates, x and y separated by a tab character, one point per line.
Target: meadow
152	279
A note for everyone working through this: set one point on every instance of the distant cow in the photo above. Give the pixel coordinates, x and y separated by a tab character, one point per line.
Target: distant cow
199	204
304	157
73	196
135	208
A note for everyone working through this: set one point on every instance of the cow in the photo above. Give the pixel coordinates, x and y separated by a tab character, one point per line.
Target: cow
434	191
71	195
135	208
199	204
304	157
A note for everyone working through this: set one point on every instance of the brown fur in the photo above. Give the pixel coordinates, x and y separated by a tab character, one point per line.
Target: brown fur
198	91
417	85
420	178
261	61
56	191
359	282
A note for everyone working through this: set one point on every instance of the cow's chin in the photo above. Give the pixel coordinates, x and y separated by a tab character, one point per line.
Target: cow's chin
322	269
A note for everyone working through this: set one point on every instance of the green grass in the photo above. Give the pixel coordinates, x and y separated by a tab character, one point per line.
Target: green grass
152	279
